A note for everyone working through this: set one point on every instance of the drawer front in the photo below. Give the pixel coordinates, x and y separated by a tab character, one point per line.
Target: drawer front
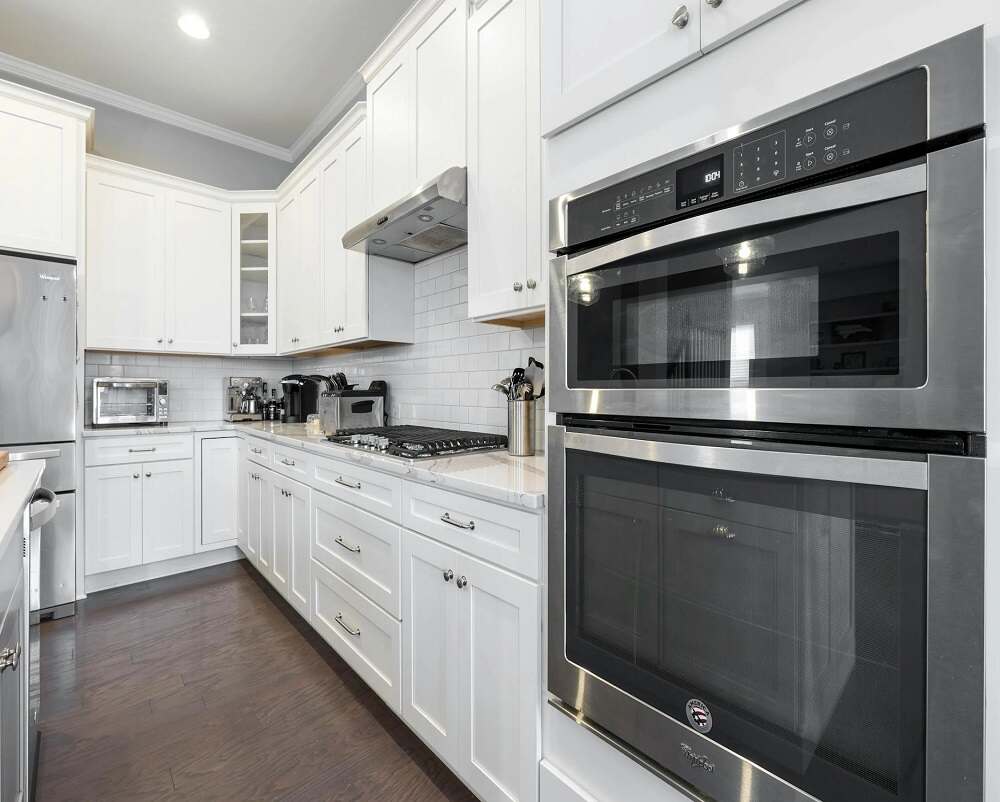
291	462
371	490
507	537
126	450
366	637
359	547
259	451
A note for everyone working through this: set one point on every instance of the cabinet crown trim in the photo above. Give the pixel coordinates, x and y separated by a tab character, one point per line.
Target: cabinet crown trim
51	102
112	167
416	16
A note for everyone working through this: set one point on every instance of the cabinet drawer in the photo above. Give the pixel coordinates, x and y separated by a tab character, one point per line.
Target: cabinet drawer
291	462
259	451
359	547
497	534
148	448
371	490
366	637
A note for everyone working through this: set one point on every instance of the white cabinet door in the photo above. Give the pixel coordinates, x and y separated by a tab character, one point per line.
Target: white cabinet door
308	278
251	478
731	19
505	248
333	180
439	100
390	131
288	268
265	549
299	539
220	480
167	510
432	652
591	58
41	156
125	252
254	286
114	517
243	503
500	678
282	536
198	294
355	320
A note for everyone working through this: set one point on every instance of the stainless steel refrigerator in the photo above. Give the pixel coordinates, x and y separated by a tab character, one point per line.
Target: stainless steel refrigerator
38	307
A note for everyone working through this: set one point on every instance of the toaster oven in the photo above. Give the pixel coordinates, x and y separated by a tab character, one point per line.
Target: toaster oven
119	401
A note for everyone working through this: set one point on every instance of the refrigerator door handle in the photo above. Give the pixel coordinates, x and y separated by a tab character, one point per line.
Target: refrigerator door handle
42	453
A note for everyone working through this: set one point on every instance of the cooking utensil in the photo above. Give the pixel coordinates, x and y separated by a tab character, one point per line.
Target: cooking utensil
501	389
517	376
524	391
535	373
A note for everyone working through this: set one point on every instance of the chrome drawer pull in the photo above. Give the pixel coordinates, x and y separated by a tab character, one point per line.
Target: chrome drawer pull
723	531
446	518
141	450
289	462
9	658
347	627
344	544
257	450
353	485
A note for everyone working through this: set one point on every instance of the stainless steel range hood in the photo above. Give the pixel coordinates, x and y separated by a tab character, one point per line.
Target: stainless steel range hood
429	221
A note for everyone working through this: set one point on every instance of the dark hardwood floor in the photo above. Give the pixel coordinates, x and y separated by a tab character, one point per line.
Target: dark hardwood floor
207	686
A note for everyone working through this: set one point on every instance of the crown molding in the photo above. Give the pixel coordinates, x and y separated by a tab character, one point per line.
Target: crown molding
415	16
111	97
337	107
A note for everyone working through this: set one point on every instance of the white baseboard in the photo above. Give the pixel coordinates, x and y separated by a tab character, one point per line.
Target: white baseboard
142	573
554	786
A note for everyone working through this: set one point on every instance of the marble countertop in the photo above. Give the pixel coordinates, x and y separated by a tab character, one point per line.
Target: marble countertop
493	475
132	430
17	482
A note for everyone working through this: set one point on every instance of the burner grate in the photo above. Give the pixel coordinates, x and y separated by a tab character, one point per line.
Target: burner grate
419	442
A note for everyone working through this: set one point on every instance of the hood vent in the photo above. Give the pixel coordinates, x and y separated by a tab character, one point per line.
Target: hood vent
429	221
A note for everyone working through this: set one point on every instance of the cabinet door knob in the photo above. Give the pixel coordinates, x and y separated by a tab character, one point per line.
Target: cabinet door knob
170	340
148	474
681	17
449	575
713	3
532	284
135	476
236	345
461	582
159	339
518	286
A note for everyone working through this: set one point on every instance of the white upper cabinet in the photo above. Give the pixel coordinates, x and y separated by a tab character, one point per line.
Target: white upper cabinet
254	278
723	21
158	262
505	208
42	144
125	263
288	258
308	298
591	58
198	274
416	100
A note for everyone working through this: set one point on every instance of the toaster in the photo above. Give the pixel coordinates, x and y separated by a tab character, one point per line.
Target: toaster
345	409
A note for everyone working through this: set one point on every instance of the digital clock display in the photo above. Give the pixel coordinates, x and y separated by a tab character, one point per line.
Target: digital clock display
700	182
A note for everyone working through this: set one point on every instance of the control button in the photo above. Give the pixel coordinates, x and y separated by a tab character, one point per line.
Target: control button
830	156
810	138
830	131
809	162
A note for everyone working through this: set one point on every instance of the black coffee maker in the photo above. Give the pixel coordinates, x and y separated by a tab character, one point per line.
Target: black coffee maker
301	396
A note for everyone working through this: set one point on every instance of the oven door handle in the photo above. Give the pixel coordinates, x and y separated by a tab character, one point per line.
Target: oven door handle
911	474
829	198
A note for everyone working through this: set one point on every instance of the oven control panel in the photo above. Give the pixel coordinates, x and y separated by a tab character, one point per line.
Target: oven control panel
873	122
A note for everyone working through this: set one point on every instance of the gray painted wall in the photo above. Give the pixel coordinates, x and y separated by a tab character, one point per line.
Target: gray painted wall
134	139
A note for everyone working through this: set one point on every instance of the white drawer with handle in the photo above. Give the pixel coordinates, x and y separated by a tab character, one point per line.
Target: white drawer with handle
291	462
502	535
147	448
359	547
373	491
365	636
259	451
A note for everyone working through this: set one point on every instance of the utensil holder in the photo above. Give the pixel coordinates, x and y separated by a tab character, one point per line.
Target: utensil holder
521	428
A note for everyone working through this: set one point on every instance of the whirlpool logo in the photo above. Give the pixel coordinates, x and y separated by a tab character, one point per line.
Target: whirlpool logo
696	760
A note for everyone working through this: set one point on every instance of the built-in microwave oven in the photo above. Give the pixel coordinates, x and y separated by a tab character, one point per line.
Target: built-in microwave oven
823	264
767	478
117	401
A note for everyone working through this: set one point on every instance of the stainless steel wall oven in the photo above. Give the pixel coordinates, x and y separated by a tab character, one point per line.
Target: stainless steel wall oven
766	526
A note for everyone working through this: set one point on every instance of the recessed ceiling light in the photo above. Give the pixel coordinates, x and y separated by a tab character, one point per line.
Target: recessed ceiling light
194	26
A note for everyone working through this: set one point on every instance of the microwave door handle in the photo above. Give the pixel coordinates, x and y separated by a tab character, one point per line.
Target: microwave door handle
911	474
829	198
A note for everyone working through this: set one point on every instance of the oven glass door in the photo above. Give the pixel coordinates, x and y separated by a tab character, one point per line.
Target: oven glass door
791	609
836	299
126	402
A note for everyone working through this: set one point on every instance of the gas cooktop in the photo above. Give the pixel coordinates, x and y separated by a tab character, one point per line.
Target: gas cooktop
417	442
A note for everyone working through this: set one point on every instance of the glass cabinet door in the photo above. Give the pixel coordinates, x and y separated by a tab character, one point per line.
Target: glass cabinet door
253	279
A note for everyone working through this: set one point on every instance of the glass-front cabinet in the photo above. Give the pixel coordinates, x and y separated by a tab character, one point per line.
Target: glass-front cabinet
254	279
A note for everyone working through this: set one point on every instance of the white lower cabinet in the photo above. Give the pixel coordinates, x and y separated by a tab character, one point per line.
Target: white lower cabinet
219	470
138	514
290	571
471	667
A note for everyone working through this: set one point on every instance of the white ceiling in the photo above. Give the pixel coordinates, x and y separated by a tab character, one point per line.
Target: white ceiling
269	68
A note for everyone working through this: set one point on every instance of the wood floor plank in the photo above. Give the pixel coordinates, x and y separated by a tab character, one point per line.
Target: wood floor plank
207	687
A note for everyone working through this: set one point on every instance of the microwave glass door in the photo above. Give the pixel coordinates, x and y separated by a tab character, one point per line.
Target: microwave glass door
127	402
794	609
837	299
